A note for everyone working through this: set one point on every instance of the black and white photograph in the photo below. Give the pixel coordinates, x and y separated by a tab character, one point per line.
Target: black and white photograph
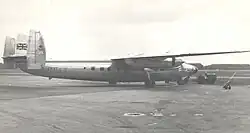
124	66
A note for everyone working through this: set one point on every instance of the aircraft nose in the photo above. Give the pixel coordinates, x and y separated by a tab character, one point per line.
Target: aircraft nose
190	68
193	69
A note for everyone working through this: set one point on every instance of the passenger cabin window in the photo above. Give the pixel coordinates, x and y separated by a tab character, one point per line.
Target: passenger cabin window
84	67
101	68
161	69
108	68
92	68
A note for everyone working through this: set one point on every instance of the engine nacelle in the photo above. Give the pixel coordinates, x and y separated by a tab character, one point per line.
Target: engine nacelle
146	63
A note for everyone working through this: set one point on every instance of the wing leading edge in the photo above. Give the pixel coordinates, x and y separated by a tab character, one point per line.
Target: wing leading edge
78	61
163	57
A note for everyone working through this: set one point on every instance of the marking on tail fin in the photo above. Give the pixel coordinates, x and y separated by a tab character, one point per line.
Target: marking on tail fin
21	46
40	50
40	47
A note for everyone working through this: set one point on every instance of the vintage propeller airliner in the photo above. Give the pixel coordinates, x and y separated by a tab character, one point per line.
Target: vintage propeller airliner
147	69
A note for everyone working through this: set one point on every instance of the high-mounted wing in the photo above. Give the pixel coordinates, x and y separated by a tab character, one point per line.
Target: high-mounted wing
78	61
158	61
163	57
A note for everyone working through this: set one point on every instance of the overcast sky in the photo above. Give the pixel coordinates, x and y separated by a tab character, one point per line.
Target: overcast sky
103	29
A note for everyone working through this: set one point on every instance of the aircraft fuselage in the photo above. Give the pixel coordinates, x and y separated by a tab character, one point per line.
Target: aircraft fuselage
106	74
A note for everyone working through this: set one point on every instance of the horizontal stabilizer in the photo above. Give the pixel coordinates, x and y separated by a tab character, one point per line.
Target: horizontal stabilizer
78	61
9	47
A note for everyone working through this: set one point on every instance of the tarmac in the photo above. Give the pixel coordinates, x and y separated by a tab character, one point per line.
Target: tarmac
36	104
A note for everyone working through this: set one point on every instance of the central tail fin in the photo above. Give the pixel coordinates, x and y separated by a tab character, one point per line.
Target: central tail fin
36	53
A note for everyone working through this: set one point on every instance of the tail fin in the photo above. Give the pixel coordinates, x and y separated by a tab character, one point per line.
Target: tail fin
36	53
9	47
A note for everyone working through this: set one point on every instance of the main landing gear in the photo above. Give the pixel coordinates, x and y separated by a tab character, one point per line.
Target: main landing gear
112	82
149	83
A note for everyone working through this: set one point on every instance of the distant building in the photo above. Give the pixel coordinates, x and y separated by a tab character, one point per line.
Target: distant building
228	66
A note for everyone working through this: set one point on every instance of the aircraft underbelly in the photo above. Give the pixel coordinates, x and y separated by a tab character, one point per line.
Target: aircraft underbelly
130	76
100	76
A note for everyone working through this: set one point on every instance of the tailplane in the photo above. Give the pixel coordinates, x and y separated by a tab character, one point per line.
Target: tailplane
9	47
36	53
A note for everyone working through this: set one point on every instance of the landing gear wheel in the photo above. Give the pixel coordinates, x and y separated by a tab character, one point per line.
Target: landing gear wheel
149	84
112	83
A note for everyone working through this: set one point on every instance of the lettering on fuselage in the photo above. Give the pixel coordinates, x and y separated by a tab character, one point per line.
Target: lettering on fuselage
58	69
94	69
54	69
